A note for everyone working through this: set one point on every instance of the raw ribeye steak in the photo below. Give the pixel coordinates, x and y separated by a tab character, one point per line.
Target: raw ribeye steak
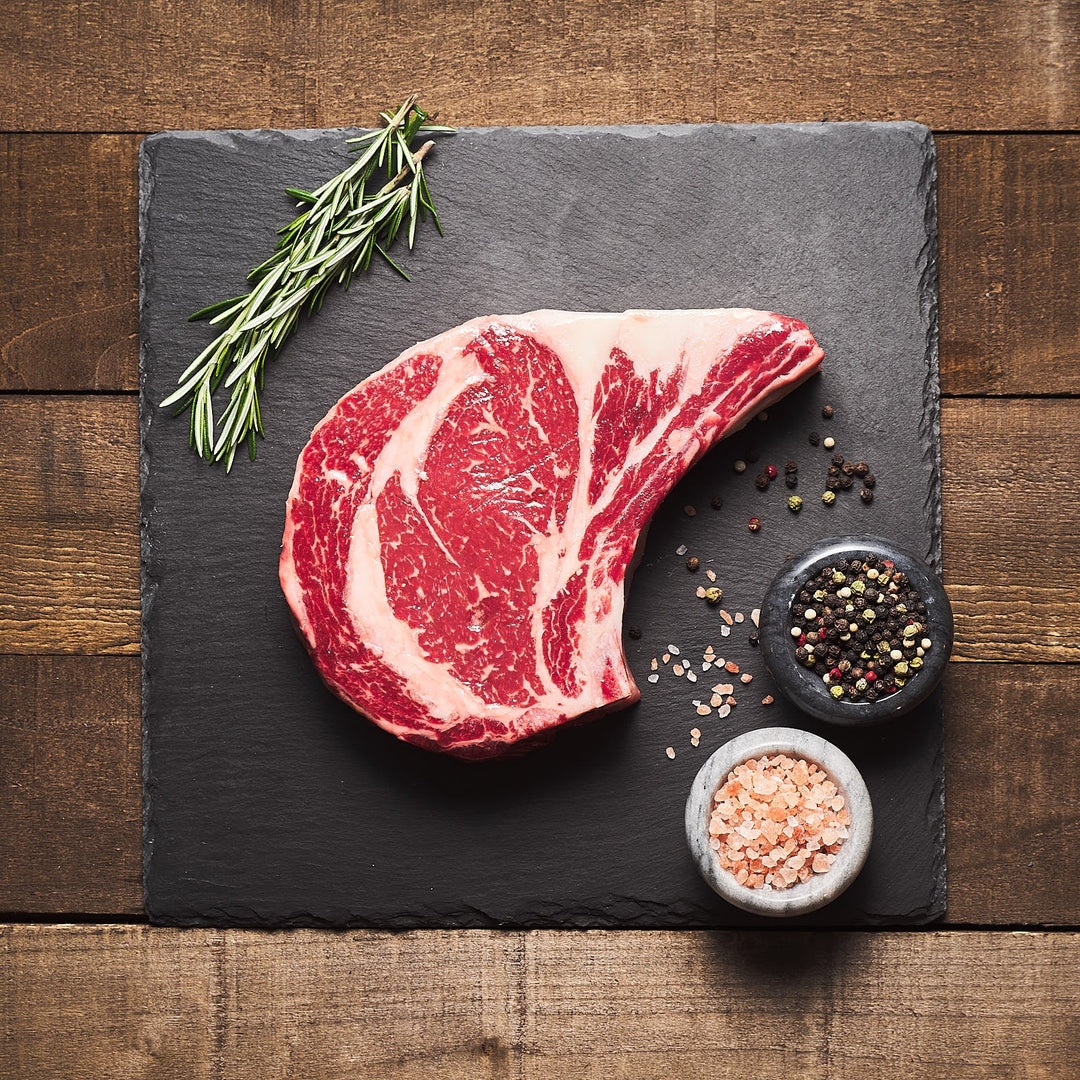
460	526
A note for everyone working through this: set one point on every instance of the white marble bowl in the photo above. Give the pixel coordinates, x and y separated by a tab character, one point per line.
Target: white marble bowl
804	896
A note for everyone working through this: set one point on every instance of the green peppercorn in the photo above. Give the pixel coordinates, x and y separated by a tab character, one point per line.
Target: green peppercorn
858	587
869	614
839	577
794	504
714	595
836	691
828	497
901	667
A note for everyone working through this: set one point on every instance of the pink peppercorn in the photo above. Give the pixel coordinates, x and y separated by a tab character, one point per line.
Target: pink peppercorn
836	673
871	676
771	471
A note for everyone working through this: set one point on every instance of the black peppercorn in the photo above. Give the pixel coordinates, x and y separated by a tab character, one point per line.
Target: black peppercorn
754	638
848	468
791	480
717	502
791	466
866	495
827	412
832	484
815	438
761	482
692	564
862	469
834	470
869	480
845	482
838	459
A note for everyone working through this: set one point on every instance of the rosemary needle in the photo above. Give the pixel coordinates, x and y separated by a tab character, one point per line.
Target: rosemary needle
342	227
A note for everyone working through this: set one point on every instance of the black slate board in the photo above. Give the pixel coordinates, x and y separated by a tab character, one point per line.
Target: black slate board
267	801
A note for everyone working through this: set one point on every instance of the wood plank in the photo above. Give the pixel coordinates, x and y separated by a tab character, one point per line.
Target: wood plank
779	1004
90	1002
69	536
1012	527
981	65
69	532
1012	769
70	796
1009	217
69	306
138	1002
1012	786
1009	207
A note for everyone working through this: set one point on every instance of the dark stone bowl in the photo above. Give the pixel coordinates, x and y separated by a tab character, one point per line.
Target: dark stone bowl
804	687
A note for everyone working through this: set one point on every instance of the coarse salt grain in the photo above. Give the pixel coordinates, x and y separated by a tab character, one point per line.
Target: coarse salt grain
755	616
725	631
676	669
723	688
726	616
653	664
670	751
716	701
681	549
777	821
666	657
674	650
746	677
723	711
705	665
739	617
690	676
700	592
710	574
695	733
654	678
732	667
704	710
768	699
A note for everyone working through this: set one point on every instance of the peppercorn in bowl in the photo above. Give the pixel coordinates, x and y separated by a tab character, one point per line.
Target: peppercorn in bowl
856	630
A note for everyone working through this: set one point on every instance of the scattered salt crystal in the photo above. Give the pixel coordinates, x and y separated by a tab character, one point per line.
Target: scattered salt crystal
716	701
680	550
725	631
732	667
676	669
746	677
755	616
739	616
653	664
666	657
724	688
695	733
706	665
670	751
654	678
695	742
700	592
690	676
768	699
704	710
726	616
673	649
729	700
724	710
710	574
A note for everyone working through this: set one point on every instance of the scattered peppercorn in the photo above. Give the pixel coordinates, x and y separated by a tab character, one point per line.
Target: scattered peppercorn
838	460
740	466
848	468
866	495
862	469
754	524
845	482
827	412
791	479
714	595
833	483
717	502
634	632
815	439
829	443
772	472
689	511
754	638
692	564
791	466
869	480
828	497
761	481
794	504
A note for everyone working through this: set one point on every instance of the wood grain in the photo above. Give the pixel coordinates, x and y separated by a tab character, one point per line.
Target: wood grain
1009	230
69	305
1007	64
1012	786
1009	207
69	538
69	525
87	1002
70	795
1012	527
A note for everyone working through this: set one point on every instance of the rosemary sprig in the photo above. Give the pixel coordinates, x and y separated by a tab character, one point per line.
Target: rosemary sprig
342	227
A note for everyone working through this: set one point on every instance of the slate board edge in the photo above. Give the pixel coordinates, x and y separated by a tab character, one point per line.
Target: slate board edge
929	432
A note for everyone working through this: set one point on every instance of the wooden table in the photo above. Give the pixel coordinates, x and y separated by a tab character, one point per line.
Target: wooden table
87	989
